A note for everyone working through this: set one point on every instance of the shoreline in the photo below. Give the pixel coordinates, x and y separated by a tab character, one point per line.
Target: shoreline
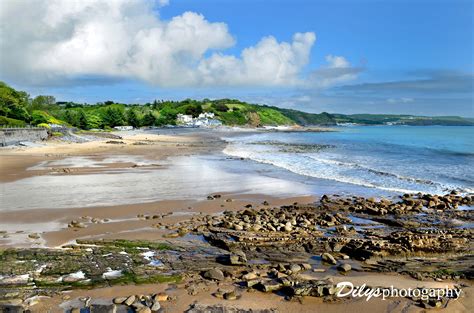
200	231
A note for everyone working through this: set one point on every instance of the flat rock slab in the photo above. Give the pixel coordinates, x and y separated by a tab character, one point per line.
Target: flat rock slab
103	308
199	308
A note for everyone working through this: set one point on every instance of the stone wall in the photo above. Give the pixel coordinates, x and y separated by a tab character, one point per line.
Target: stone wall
11	136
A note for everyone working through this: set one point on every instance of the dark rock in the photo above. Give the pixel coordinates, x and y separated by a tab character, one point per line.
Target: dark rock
214	274
11	308
103	308
345	267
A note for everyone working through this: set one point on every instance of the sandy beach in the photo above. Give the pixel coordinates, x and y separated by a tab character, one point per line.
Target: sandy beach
61	224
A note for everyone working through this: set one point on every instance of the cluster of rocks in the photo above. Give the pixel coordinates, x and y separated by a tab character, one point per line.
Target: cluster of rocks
284	219
134	303
143	303
86	219
115	142
409	203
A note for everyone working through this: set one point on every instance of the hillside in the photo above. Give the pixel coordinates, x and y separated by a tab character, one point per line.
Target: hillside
412	120
18	109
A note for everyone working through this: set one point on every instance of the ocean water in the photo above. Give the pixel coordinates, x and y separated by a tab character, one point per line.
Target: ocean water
394	159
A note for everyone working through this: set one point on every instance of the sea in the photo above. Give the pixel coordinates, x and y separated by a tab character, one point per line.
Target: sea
366	161
369	159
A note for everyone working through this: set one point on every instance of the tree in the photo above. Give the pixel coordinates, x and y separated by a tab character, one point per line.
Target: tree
220	107
13	103
42	103
113	116
148	119
132	118
193	109
167	116
82	120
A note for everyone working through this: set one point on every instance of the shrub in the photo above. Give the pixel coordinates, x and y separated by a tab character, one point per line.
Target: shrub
6	121
44	125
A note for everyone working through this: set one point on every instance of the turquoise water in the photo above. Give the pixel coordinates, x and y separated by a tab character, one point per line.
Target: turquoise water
433	159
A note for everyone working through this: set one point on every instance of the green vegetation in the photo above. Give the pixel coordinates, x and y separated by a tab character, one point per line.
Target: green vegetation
18	109
132	245
412	120
129	277
6	121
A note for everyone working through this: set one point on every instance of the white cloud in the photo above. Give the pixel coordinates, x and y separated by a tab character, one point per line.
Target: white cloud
48	42
337	62
267	63
400	100
338	70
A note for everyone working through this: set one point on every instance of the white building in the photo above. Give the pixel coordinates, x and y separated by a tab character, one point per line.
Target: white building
205	119
206	115
123	127
184	119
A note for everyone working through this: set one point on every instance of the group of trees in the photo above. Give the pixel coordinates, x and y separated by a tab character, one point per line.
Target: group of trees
17	108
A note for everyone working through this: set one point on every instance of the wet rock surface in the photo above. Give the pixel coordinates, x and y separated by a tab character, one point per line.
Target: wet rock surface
283	250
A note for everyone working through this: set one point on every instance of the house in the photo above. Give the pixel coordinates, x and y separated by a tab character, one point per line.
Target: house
205	119
123	127
184	119
206	115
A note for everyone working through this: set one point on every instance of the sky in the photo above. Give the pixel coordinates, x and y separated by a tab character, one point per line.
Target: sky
337	56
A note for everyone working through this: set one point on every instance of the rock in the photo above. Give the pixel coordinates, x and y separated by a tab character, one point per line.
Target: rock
281	275
34	236
288	227
230	295
250	276
295	268
156	306
328	258
210	198
306	266
144	310
119	300
344	267
161	297
319	270
238	258
103	308
192	290
12	302
214	274
269	286
251	283
75	310
130	300
76	224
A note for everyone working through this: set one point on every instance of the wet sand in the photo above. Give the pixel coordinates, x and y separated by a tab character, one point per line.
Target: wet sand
122	222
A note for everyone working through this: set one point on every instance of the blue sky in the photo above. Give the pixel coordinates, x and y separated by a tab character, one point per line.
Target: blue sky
401	56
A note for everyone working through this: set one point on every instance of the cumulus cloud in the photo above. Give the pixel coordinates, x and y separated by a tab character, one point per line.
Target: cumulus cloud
337	70
54	41
267	63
